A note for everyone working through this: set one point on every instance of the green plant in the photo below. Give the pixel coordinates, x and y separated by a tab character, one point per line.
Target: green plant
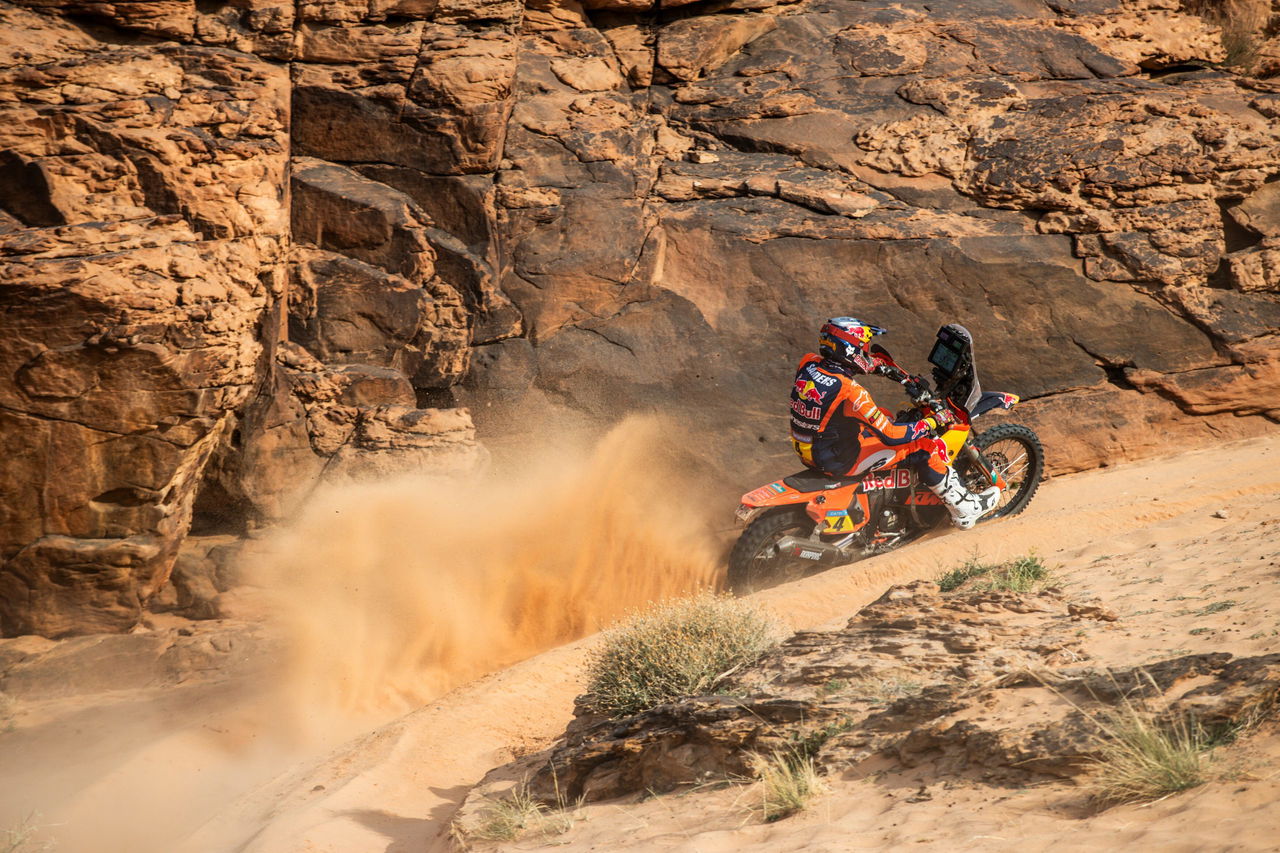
788	781
1021	574
970	568
807	746
1216	607
832	687
679	648
1199	630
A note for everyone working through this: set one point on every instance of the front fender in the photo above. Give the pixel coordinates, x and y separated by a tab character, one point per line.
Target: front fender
994	400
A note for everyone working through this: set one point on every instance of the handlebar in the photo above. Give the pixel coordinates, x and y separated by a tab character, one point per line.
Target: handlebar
917	387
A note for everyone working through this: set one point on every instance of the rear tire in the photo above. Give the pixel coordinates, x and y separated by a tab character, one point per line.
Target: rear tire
1015	452
754	562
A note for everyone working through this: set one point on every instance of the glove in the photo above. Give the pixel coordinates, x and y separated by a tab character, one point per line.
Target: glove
941	419
888	370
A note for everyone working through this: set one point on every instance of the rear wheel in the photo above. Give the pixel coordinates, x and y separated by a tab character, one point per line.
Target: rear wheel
755	562
1014	452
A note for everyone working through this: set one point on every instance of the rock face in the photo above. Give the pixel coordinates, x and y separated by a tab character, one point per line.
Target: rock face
245	245
962	681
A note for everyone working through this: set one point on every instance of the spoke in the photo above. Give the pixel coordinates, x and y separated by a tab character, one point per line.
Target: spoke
1008	474
1015	460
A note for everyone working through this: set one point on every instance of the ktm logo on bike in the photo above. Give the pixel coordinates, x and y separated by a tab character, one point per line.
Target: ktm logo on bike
806	390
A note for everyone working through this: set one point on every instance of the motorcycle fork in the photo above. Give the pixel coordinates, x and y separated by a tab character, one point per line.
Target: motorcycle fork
975	456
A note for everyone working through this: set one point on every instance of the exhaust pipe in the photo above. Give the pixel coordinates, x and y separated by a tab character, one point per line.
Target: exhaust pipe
808	549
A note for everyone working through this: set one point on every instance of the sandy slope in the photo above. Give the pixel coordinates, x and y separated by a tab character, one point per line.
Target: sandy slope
1144	537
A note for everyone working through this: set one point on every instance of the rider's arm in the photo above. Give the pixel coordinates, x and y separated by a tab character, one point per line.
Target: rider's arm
858	403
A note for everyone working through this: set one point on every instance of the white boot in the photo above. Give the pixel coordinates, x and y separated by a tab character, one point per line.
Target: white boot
965	507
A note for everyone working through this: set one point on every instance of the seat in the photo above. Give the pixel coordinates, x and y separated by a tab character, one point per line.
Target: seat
810	480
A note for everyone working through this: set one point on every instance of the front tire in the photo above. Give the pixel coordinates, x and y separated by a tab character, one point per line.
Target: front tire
1014	451
754	562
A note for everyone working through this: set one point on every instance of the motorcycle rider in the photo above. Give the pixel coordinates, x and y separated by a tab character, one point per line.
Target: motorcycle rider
838	429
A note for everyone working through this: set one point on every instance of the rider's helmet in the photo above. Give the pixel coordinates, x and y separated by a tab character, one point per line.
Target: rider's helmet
846	341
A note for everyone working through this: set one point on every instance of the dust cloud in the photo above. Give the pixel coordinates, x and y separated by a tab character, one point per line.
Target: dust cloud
386	595
393	592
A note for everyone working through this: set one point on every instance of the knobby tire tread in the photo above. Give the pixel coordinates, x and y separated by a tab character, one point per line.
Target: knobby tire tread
759	533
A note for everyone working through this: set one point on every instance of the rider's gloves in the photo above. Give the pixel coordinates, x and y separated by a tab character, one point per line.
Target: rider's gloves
940	419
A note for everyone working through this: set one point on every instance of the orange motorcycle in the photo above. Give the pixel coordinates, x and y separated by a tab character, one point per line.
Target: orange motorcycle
800	524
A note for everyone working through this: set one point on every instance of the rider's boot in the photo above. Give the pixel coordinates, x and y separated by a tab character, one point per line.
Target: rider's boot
965	506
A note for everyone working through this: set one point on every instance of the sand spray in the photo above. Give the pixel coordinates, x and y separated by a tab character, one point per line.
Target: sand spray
393	592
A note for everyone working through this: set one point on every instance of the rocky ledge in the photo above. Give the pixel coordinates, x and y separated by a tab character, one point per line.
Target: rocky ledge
991	687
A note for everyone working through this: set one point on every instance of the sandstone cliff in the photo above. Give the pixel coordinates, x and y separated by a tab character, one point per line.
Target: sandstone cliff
246	244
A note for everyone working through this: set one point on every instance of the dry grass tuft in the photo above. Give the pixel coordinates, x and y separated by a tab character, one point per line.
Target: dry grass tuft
789	780
1245	25
1145	758
512	817
680	648
883	689
21	838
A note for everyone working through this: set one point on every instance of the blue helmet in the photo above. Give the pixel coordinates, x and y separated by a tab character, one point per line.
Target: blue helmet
846	341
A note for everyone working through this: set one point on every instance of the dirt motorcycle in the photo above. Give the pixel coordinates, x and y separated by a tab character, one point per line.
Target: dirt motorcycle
810	520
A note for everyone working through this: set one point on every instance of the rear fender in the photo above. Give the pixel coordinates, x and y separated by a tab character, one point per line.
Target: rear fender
755	503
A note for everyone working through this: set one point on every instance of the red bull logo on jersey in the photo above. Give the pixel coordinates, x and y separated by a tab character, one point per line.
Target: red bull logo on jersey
806	390
813	413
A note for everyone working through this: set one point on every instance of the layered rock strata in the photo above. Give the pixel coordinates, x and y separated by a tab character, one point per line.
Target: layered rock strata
994	686
246	245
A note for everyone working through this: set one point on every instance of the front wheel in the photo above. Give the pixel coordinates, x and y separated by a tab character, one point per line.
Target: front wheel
755	562
1014	452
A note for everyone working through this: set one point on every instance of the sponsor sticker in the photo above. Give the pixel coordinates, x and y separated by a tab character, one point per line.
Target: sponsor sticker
897	478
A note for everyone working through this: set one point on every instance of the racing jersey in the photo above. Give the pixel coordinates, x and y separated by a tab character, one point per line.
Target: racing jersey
832	415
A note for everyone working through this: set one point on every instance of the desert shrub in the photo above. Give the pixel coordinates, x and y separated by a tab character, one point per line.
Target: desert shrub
952	580
1021	574
1144	757
679	648
788	781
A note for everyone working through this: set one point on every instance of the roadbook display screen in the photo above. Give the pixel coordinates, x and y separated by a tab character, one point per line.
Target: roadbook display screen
947	351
